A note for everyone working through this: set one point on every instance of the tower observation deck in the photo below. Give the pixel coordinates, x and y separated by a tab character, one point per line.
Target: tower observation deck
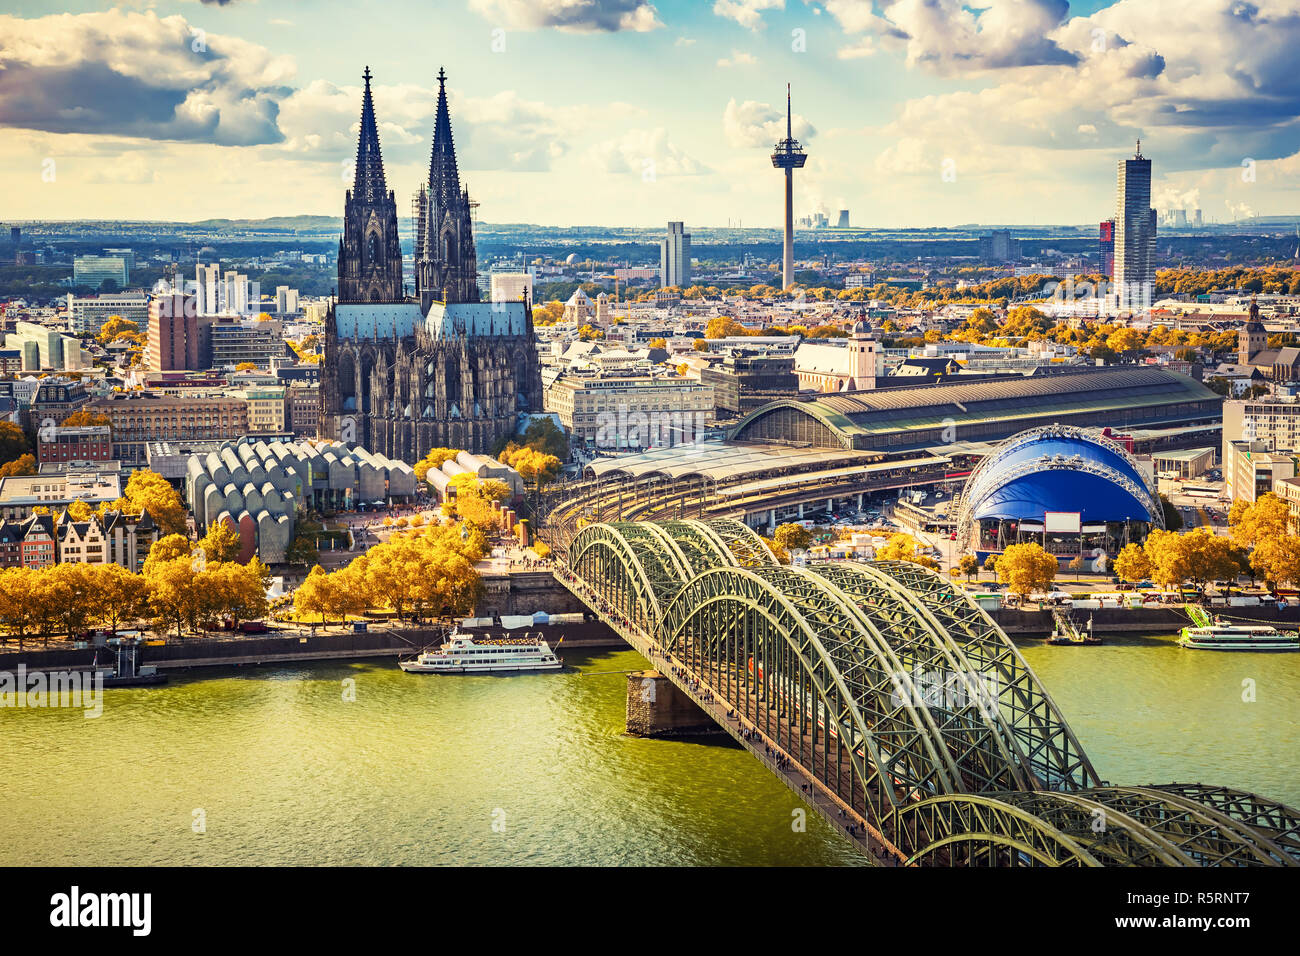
788	155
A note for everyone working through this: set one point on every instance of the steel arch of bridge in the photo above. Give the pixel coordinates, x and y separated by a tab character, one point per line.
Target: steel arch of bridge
831	664
1050	748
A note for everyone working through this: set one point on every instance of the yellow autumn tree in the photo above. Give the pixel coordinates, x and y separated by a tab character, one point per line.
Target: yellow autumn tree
904	547
1026	568
1132	563
149	490
221	543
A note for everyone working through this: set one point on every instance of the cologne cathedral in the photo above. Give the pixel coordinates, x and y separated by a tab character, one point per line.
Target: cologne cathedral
403	374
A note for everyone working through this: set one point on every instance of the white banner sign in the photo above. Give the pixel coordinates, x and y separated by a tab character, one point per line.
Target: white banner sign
1063	522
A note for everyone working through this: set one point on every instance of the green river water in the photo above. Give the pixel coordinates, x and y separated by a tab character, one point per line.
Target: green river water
278	768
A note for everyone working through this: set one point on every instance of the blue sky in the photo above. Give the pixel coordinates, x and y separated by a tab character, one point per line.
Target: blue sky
633	112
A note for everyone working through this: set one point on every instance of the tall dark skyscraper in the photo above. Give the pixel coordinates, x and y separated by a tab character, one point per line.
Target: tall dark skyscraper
1135	234
789	156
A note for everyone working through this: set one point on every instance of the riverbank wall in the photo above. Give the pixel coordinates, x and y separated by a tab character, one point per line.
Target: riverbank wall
1136	621
525	592
292	646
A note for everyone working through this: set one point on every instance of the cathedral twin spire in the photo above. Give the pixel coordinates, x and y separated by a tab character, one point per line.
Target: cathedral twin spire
370	261
370	185
444	180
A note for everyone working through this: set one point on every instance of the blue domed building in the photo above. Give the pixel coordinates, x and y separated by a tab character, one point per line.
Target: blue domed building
1068	489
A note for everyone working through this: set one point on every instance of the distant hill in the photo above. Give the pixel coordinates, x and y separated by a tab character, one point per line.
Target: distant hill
277	223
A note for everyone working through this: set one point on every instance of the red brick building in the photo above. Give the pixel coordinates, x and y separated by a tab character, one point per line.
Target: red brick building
80	443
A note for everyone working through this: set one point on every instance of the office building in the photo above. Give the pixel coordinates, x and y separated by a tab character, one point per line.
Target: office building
1135	235
234	342
173	340
632	411
207	288
675	257
742	381
138	418
1106	248
266	409
94	271
55	399
1250	469
41	347
87	314
20	495
998	246
126	255
303	405
237	294
286	300
1270	423
82	443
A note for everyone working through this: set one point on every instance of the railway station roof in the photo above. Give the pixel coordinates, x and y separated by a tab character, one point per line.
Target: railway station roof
719	461
1126	396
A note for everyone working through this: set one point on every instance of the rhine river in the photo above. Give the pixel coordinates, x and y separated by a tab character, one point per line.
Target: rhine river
276	767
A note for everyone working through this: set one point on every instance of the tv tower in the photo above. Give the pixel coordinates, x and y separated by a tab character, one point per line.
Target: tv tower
788	155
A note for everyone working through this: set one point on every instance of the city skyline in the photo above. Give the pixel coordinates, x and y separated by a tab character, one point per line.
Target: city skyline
188	111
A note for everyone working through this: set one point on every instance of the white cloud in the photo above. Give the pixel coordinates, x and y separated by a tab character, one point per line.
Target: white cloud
752	124
578	16
1203	82
738	58
647	153
748	13
952	36
502	131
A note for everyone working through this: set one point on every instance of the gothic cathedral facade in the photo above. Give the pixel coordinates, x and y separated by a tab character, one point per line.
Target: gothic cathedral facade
403	374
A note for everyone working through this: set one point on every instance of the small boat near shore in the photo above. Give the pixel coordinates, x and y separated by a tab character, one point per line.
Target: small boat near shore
123	668
1065	631
463	653
1089	639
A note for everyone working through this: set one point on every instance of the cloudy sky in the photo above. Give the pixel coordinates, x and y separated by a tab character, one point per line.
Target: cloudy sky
633	112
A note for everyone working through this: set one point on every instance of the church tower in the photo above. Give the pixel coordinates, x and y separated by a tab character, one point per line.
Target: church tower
446	266
865	358
1253	337
370	252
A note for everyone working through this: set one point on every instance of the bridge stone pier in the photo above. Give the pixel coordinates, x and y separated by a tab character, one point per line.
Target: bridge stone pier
892	704
656	708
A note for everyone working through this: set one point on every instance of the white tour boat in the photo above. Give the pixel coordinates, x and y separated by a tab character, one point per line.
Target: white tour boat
464	653
1239	637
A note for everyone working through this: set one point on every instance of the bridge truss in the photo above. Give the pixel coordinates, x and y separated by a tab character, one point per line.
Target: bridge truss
901	700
